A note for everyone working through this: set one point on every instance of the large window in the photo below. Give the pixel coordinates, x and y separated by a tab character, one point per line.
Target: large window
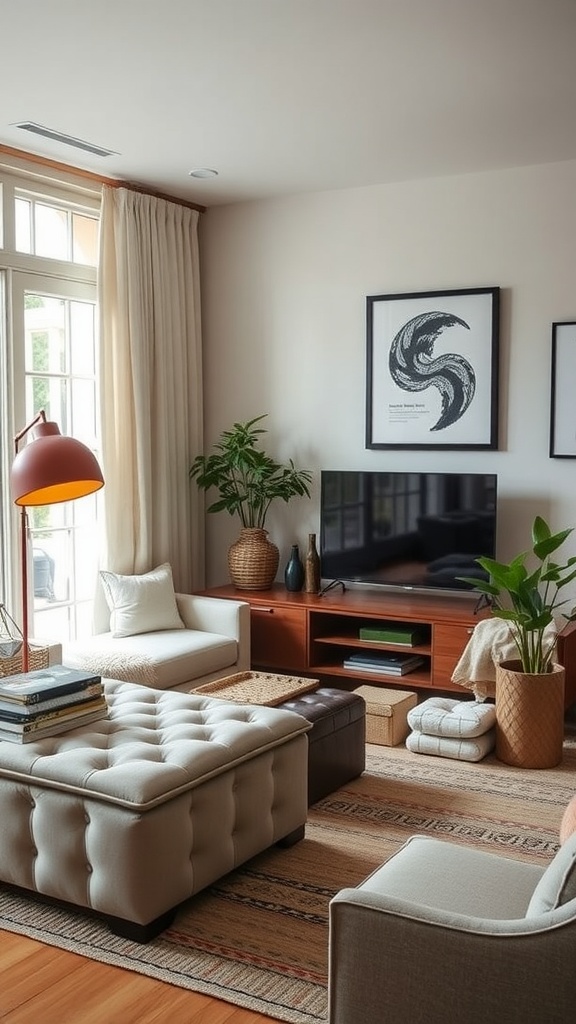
48	340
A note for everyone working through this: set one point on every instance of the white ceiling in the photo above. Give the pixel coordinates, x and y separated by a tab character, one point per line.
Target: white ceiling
288	96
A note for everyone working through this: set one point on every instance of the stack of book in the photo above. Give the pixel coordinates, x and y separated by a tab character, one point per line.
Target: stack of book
393	633
389	663
48	701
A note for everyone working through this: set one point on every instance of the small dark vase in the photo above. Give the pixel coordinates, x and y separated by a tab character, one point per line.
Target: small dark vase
294	571
312	567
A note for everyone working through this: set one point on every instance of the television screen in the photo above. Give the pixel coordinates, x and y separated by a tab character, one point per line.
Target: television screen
414	530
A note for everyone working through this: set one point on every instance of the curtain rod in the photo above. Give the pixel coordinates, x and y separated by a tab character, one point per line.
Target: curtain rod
21	154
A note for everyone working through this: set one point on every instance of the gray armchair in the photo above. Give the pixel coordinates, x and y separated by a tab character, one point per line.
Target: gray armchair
444	932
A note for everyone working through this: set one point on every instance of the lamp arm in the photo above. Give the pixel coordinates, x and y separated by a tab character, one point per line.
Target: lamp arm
24	572
40	417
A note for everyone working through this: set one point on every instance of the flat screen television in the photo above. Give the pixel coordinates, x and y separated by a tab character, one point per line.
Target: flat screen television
409	530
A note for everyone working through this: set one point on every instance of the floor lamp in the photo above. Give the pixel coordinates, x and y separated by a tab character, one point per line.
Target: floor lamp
49	469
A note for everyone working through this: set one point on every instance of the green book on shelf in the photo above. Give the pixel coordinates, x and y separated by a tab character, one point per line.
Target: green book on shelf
392	634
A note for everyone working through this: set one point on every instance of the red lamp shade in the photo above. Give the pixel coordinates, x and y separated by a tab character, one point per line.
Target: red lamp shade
52	468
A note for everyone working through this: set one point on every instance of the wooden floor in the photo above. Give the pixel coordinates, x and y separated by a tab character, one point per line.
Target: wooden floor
43	985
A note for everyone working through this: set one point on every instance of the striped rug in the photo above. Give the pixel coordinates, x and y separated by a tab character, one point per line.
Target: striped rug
258	938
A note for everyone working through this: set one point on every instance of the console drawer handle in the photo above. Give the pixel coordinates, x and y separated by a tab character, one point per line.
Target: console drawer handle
268	611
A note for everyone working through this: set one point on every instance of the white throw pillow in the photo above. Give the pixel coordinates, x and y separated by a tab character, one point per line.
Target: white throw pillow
141	604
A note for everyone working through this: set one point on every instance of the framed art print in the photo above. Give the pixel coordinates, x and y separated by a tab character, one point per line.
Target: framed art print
432	369
562	409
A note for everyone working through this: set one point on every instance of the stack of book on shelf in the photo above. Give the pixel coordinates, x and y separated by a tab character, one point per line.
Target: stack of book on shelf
393	633
48	701
387	663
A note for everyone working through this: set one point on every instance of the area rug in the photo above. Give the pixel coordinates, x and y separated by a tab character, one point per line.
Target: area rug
259	937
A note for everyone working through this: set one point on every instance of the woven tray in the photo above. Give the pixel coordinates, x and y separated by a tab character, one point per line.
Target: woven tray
258	688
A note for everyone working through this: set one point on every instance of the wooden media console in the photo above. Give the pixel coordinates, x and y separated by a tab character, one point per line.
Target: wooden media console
313	634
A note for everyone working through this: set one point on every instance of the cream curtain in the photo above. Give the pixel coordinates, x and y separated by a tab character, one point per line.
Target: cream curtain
151	385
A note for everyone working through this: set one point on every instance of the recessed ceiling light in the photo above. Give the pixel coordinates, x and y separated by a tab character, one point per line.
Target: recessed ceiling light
203	172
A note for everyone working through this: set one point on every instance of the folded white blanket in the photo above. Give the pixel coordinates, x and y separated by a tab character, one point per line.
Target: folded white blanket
490	643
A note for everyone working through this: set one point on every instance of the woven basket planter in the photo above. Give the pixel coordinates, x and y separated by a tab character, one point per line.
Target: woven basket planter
253	560
529	716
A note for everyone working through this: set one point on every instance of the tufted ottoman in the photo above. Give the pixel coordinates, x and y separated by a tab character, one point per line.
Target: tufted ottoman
133	814
337	741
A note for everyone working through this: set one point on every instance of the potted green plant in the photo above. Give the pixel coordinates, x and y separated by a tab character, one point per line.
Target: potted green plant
530	690
248	481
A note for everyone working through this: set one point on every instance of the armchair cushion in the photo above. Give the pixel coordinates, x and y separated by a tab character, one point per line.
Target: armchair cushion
214	642
141	604
457	881
165	659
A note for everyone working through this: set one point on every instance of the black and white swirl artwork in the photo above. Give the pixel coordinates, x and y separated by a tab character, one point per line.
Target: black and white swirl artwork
414	367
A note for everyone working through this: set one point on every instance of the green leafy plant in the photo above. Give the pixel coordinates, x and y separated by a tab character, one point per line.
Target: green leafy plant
247	478
533	595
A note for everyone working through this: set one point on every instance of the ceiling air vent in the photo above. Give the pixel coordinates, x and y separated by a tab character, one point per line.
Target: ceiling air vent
68	140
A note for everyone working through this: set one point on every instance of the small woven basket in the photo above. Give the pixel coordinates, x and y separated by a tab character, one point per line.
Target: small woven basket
38	657
11	641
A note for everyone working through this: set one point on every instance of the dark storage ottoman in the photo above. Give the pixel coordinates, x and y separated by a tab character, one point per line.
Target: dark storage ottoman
337	740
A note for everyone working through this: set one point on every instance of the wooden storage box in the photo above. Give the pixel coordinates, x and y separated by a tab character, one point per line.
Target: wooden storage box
386	712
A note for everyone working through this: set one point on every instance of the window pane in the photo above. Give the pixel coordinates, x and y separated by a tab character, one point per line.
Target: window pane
45	338
51	230
84	411
23	225
86	557
84	239
82	336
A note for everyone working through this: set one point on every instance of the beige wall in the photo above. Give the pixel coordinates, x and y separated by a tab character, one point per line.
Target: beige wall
284	293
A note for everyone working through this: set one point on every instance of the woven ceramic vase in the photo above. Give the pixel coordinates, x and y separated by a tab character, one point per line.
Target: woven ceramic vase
253	560
529	716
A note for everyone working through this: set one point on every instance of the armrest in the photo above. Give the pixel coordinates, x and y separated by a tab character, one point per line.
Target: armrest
393	908
218	615
395	960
